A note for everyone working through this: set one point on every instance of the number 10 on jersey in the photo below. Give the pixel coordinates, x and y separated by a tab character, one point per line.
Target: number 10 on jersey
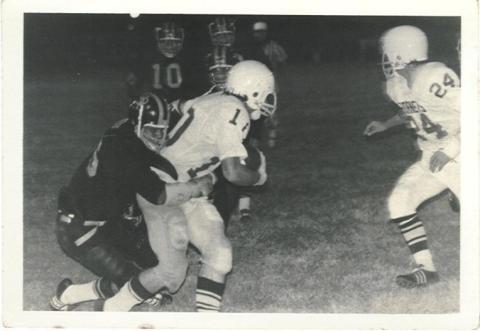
172	76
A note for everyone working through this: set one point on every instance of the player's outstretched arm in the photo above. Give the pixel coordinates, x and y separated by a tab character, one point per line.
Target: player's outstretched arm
178	193
157	192
377	127
238	174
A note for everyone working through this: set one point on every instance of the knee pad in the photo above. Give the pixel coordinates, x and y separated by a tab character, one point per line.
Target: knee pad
218	256
178	235
400	203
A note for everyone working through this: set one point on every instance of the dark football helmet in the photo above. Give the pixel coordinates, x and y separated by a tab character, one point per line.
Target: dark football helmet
222	31
219	62
169	37
150	115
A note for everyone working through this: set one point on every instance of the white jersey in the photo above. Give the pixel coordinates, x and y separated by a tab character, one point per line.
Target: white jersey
211	130
430	103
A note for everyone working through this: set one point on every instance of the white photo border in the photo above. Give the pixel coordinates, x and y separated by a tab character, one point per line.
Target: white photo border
12	169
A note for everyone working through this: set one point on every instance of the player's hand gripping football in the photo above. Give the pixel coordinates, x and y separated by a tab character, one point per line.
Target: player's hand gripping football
374	127
438	160
262	170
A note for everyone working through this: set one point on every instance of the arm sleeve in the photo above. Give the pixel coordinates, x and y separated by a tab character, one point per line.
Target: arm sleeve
150	186
127	159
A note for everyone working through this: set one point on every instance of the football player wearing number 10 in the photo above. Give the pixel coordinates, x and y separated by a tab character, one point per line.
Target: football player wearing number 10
209	135
161	70
428	95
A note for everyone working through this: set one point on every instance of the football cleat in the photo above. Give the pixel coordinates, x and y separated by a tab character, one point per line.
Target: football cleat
55	302
159	299
418	278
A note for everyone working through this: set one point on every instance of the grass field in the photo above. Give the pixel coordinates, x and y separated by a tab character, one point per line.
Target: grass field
319	242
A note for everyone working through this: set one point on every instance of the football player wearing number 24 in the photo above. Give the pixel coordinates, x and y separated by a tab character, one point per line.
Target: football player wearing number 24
208	135
428	94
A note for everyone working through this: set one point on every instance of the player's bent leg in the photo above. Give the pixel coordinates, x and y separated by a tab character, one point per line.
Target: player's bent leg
450	176
97	256
414	186
206	232
167	233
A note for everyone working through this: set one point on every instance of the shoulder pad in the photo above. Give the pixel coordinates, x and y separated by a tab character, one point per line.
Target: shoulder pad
121	128
163	165
434	77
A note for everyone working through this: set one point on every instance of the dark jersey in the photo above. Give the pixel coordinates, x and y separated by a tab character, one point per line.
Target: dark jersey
106	182
170	78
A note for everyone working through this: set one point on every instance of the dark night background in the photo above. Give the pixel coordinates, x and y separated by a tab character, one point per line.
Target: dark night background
79	42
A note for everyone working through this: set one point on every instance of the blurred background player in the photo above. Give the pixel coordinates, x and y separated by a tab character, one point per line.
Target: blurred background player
94	218
222	31
219	62
162	69
428	96
222	56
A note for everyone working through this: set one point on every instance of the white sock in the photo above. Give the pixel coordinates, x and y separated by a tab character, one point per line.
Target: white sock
124	300
77	293
424	257
244	203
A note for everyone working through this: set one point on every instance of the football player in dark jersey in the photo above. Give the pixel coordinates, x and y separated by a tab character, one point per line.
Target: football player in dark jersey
91	227
219	61
161	69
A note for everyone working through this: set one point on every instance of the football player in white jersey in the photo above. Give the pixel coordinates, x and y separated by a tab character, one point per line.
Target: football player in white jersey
428	94
209	135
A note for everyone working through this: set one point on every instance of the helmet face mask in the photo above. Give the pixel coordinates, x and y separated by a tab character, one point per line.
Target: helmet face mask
388	67
401	46
254	83
218	74
151	117
169	38
220	61
154	136
222	32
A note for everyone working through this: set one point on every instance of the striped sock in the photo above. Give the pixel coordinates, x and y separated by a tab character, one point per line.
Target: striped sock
414	234
130	295
209	295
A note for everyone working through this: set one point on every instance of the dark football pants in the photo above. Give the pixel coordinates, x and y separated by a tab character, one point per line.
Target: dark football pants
103	254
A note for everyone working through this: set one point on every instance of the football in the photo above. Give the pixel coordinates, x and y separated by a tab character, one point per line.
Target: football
253	159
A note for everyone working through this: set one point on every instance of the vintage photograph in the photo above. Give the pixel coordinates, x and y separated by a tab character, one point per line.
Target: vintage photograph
268	164
241	163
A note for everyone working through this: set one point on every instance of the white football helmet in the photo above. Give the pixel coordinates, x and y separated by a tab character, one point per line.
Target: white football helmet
254	83
402	45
